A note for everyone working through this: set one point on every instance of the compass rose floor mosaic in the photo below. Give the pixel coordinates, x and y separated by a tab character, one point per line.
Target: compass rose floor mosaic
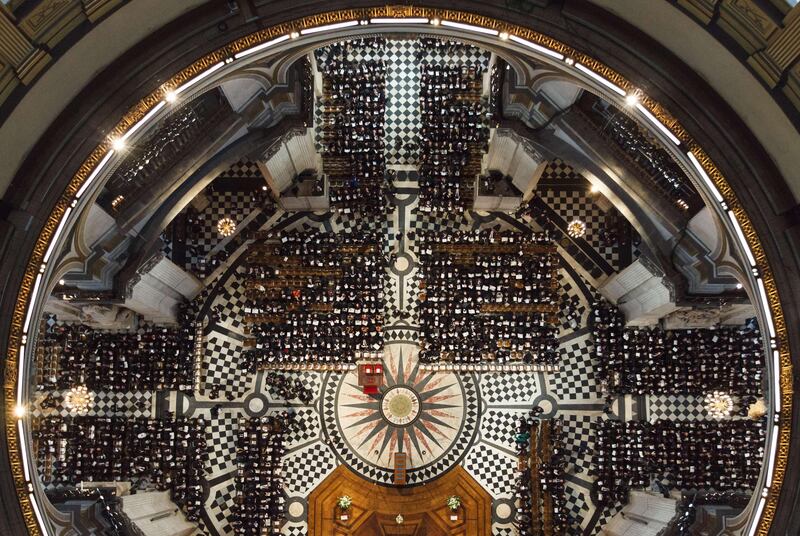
431	416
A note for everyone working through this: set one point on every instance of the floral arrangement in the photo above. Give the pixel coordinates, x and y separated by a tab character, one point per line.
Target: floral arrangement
453	502
344	502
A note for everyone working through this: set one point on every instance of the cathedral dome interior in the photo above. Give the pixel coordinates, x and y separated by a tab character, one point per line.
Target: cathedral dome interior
481	269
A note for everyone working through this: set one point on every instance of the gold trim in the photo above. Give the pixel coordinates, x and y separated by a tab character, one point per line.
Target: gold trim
139	110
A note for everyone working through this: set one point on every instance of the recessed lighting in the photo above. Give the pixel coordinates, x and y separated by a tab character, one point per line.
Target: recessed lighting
569	61
658	124
469	27
20	411
632	99
503	36
170	96
593	189
739	286
118	144
62	282
436	22
329	27
294	35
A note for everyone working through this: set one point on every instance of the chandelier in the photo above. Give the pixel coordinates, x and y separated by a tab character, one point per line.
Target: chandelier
78	399
226	227
576	229
719	405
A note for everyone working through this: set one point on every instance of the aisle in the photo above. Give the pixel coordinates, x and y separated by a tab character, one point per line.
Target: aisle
402	297
402	121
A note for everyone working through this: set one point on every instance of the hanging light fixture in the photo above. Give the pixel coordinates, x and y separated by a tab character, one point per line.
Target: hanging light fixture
576	229
719	405
78	399
226	227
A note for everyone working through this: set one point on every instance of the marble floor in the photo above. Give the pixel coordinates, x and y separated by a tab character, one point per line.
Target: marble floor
440	419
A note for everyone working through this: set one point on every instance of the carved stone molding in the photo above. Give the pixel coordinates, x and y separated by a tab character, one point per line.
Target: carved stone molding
150	263
273	149
525	143
17	50
130	284
781	52
746	23
145	268
95	9
692	318
106	316
701	9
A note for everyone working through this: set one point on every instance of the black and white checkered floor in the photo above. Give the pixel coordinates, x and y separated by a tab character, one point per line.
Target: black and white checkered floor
488	454
572	393
402	60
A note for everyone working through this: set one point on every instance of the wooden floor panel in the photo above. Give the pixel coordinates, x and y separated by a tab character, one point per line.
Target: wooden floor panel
375	508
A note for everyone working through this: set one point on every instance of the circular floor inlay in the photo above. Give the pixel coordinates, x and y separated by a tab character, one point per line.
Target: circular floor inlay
401	265
400	406
546	405
503	511
432	417
295	509
255	405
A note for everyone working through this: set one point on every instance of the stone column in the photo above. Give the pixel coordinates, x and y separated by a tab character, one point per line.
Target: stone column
783	50
17	51
96	9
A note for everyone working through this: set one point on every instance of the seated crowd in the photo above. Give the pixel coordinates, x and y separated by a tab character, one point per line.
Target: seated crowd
487	296
165	454
152	358
352	123
702	455
453	137
258	508
656	162
496	80
679	362
315	298
287	388
494	183
540	490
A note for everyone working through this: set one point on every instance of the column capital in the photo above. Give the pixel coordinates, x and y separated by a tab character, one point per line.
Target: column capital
17	50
